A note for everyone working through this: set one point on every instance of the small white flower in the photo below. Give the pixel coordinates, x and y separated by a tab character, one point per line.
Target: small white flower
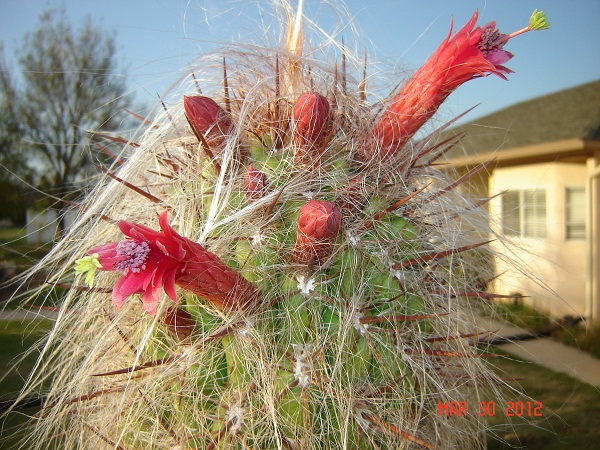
305	285
353	239
245	330
257	240
235	417
399	275
362	328
302	367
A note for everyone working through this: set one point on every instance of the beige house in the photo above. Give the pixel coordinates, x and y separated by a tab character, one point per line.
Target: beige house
547	167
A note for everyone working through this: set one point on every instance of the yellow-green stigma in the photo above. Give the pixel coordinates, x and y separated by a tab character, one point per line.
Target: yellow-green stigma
88	265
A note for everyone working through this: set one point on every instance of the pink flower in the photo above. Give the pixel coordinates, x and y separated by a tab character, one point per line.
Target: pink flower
155	260
208	120
311	126
319	222
472	52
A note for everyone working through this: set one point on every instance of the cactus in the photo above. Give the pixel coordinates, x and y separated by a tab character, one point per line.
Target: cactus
305	268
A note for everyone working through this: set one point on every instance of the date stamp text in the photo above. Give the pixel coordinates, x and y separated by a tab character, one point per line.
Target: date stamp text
489	409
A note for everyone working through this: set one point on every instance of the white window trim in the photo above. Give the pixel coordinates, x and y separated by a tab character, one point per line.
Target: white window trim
578	222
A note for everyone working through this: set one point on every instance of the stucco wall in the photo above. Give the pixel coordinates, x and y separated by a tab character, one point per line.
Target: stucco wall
550	271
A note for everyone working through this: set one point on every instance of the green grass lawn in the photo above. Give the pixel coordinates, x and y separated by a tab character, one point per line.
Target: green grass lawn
15	338
16	257
571	410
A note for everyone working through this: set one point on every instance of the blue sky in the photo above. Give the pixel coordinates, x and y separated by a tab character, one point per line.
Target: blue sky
157	39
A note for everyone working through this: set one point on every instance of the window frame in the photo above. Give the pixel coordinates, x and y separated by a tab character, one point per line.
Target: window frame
577	222
528	213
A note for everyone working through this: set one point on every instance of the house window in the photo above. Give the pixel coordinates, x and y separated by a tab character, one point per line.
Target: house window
524	213
575	213
511	214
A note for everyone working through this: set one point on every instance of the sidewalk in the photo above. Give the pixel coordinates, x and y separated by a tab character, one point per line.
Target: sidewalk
546	352
22	314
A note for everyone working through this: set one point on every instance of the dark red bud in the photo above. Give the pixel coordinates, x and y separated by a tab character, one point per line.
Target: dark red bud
207	119
319	222
179	322
311	125
256	184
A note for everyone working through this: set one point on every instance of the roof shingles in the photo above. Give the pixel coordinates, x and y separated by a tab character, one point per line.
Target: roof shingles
567	114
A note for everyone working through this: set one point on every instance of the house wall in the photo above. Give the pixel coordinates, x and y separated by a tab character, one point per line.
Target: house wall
42	225
593	306
550	272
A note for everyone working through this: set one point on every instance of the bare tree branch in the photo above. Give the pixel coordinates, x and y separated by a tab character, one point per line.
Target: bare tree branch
67	84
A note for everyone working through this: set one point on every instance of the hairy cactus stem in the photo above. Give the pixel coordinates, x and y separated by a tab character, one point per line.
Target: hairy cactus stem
447	145
387	427
117	139
318	317
226	88
271	207
321	150
97	432
82	288
393	207
106	151
131	186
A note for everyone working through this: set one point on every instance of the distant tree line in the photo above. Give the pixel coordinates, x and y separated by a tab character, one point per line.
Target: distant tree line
66	85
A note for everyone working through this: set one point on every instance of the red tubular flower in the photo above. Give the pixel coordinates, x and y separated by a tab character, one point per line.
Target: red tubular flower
154	260
256	184
311	126
472	52
319	222
208	120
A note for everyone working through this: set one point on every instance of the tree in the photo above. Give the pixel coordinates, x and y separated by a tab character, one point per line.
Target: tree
12	193
16	191
67	87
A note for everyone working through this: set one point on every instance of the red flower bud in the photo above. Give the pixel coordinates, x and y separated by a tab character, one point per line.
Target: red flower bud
179	322
256	184
311	126
208	120
319	222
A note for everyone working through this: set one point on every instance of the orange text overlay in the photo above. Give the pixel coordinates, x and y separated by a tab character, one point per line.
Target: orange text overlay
490	409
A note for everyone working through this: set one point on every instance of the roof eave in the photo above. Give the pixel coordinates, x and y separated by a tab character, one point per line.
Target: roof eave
567	149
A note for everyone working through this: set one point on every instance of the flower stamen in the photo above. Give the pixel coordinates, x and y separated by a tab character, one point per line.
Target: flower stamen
136	253
491	40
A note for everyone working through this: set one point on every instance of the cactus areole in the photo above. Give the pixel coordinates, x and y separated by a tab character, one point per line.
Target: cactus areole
309	281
